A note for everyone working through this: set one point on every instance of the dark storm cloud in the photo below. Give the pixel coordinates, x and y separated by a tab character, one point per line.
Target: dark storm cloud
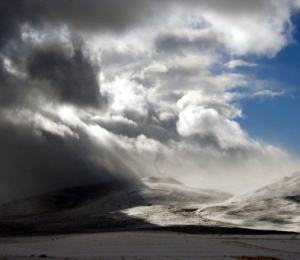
82	15
86	15
10	16
12	92
97	15
102	14
37	161
72	78
54	74
169	43
232	7
151	127
34	160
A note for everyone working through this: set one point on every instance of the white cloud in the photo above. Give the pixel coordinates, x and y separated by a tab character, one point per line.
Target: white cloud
125	96
264	30
239	63
207	122
221	102
40	122
267	93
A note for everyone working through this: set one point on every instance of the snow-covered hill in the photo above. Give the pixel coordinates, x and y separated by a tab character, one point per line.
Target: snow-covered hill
275	206
158	202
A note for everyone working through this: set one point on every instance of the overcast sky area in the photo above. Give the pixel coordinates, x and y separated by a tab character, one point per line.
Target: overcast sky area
112	91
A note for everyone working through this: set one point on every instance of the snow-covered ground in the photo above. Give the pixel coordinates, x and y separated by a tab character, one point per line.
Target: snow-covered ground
149	245
160	205
159	202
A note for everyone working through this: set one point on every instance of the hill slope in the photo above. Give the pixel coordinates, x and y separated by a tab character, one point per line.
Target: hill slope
275	206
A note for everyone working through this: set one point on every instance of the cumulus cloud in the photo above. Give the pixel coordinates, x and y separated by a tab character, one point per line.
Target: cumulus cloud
208	123
109	91
127	97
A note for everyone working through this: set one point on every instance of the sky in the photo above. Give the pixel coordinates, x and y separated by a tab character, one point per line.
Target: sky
111	92
275	120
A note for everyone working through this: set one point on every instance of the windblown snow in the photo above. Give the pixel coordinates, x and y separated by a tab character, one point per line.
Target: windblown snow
160	202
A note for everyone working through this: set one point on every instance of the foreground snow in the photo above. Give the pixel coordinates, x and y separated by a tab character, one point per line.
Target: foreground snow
148	245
